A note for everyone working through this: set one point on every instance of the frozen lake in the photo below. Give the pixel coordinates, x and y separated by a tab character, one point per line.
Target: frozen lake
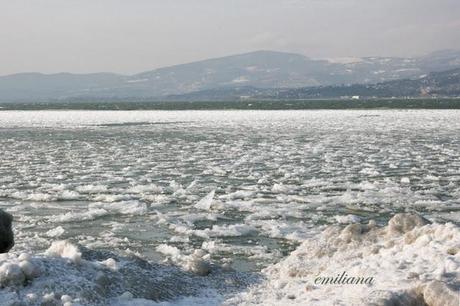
246	187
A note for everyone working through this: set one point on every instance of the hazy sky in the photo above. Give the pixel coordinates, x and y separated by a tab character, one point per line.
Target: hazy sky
130	36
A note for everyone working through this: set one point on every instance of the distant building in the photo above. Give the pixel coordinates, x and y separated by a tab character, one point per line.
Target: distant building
355	97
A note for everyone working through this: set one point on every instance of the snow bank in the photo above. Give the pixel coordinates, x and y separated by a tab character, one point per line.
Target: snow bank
70	275
410	261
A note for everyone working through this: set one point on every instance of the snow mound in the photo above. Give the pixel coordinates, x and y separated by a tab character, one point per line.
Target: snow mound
17	270
409	261
104	278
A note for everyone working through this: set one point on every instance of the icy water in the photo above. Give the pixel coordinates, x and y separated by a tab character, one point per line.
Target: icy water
245	186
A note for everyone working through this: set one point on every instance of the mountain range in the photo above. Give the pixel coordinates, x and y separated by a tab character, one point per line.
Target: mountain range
255	74
434	84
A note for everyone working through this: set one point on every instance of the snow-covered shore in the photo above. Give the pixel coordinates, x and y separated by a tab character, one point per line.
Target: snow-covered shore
411	262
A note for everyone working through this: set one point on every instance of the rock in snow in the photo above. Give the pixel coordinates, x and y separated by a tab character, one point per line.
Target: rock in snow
6	233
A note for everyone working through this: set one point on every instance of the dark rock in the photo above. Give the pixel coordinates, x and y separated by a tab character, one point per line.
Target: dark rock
6	233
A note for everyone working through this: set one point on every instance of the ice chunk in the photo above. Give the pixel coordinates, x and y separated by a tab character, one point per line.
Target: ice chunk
79	216
91	189
110	263
152	188
122	208
55	232
64	249
198	265
206	202
11	274
232	230
168	250
405	180
68	195
348	219
402	223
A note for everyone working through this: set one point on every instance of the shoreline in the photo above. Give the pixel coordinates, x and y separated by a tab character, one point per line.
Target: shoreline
323	104
389	253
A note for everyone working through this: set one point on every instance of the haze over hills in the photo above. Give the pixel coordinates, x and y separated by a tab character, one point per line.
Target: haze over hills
258	70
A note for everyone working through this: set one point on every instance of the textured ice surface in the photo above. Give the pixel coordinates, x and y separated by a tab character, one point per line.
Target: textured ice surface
140	182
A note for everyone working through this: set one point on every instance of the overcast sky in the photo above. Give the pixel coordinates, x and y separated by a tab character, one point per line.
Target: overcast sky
129	36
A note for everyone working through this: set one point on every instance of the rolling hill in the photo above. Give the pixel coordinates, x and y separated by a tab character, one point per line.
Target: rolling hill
260	70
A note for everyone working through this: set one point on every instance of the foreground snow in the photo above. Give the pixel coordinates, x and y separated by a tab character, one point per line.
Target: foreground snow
68	275
410	261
